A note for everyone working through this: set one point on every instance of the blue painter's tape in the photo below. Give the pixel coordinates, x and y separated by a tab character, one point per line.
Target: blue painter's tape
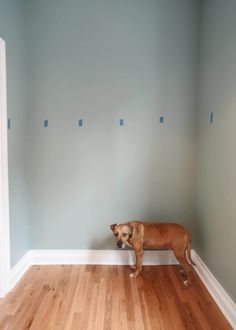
162	119
122	122
211	117
9	123
81	122
45	123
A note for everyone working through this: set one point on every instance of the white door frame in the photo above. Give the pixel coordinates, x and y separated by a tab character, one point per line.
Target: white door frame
4	185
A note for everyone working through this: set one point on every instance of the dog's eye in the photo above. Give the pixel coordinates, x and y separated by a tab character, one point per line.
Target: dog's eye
116	234
124	234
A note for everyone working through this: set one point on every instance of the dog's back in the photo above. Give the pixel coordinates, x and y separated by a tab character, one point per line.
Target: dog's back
159	235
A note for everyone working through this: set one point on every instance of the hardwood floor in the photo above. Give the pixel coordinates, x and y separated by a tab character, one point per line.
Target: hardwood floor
105	297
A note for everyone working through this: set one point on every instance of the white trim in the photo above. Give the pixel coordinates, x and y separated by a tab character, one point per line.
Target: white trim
223	300
4	190
99	257
19	270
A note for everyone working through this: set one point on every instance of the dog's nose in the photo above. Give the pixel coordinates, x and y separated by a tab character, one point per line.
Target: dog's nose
119	244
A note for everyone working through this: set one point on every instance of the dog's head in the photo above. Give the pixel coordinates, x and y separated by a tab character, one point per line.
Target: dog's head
122	234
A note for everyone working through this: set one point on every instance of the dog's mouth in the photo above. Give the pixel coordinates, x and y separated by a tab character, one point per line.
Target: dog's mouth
121	245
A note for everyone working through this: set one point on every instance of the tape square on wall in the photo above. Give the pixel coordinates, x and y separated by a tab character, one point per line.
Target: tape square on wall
122	122
162	119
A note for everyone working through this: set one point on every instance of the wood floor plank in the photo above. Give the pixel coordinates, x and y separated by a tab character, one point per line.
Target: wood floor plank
72	297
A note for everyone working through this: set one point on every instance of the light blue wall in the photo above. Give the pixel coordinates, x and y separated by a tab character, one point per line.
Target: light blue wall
217	158
102	61
12	30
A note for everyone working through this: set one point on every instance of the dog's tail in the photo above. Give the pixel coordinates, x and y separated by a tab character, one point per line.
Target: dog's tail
188	249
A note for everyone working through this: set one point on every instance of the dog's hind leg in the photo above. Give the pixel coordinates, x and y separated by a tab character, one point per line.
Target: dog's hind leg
182	271
180	256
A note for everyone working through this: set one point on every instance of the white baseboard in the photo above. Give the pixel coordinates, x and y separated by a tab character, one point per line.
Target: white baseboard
124	257
99	257
19	270
223	300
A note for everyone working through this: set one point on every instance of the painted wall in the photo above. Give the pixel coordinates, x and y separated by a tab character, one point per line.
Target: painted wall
217	157
101	61
12	30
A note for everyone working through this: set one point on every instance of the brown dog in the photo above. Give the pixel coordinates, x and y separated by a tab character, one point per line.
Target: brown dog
140	235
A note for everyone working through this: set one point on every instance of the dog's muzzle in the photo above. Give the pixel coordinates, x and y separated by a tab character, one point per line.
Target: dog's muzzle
119	244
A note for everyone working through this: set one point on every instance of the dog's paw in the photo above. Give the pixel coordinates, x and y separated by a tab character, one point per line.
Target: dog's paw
182	271
133	267
187	284
135	274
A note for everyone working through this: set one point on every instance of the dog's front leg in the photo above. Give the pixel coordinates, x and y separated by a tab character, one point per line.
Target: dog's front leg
138	267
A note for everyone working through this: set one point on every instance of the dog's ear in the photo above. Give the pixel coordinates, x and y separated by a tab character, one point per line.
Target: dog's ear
131	229
113	226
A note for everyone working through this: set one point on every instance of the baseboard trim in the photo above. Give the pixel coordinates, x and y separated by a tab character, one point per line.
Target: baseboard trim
99	257
19	270
223	300
124	257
